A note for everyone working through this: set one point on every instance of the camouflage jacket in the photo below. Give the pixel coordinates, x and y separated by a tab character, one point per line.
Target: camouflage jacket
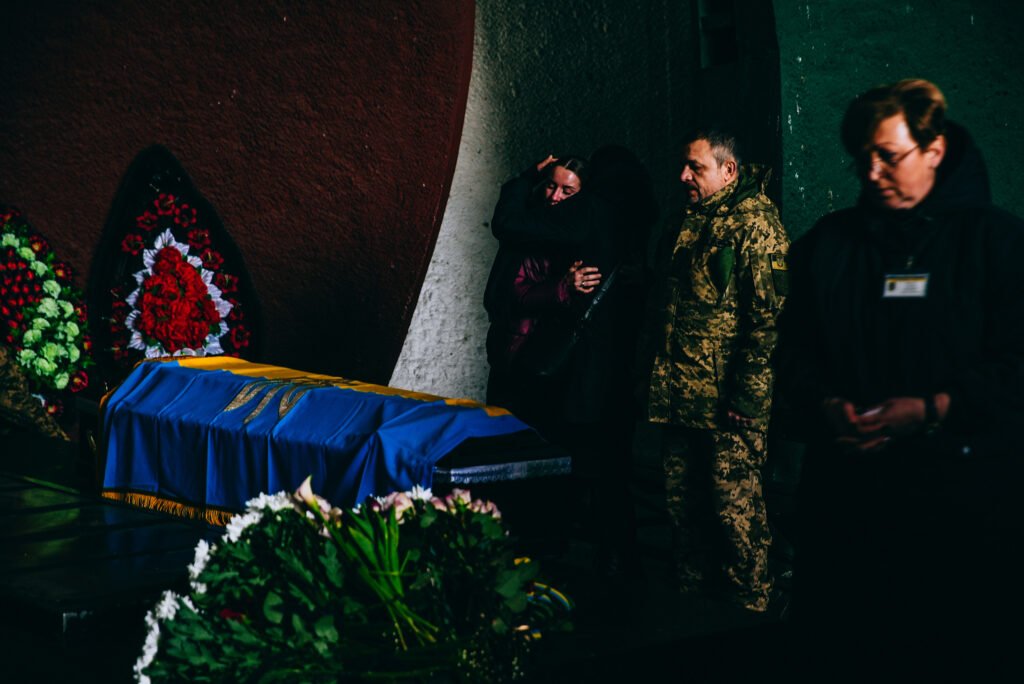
724	280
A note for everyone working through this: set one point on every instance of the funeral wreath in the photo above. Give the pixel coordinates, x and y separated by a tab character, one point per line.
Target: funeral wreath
43	317
179	298
407	587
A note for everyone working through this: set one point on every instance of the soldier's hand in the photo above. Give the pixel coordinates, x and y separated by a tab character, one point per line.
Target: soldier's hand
738	420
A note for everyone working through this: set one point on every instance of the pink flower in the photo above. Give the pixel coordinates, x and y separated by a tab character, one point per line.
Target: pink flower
305	492
400	501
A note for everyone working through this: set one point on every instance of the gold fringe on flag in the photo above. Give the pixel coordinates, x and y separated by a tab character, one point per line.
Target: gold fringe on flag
214	516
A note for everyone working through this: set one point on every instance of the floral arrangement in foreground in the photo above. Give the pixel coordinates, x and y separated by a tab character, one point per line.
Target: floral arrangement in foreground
179	299
407	587
43	317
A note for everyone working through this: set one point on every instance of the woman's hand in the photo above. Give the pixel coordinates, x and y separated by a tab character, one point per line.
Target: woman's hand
541	165
872	428
583	279
849	426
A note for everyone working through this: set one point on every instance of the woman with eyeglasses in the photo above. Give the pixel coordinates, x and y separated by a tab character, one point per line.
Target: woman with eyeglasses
903	351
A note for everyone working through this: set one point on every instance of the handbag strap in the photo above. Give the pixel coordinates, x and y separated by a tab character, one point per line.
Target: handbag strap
598	296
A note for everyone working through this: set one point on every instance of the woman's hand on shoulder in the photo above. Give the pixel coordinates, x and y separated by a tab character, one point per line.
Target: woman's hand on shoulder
550	158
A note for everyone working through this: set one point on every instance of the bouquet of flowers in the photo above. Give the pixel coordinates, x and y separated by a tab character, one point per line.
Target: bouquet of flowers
179	298
43	317
407	587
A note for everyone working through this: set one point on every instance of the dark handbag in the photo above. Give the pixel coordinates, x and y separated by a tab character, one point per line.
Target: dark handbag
548	349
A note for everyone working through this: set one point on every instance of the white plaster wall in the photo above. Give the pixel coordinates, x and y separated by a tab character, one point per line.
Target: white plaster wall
547	77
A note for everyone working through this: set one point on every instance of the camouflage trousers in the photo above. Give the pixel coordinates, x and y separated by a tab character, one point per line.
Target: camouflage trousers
720	534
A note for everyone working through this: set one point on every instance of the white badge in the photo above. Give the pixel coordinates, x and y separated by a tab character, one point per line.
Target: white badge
906	285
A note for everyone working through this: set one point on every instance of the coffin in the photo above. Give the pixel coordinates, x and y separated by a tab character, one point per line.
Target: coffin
201	436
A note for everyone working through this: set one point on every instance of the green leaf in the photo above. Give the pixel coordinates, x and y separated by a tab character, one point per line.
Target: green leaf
273	608
509	583
517	603
325	628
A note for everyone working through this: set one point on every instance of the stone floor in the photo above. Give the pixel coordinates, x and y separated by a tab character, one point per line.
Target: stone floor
631	627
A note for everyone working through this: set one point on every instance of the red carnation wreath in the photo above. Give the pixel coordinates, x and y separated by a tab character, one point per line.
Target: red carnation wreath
180	300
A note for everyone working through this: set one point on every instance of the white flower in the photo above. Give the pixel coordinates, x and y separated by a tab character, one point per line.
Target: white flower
9	240
239	523
167	606
26	253
149	649
274	502
51	287
164	611
203	550
418	493
38	267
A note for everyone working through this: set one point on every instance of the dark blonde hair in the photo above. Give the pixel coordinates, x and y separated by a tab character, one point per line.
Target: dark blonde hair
919	101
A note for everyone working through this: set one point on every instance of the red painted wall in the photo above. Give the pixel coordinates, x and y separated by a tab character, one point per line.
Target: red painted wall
324	134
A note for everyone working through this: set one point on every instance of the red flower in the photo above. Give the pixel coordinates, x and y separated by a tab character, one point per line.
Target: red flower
147	221
175	308
229	614
132	244
198	238
225	282
79	381
119	311
164	204
63	271
185	215
54	407
212	259
7	214
38	244
239	337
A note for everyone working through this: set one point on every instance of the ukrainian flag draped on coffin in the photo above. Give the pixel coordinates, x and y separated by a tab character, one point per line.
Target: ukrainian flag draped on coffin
201	436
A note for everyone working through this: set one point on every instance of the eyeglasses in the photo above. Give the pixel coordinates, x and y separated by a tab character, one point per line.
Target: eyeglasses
884	158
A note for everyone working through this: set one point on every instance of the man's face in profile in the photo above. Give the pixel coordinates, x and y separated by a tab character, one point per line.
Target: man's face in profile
702	175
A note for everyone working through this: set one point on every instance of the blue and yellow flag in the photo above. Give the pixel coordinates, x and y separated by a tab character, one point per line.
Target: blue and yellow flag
201	436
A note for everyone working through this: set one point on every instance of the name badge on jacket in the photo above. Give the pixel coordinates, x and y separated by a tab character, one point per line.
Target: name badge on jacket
906	285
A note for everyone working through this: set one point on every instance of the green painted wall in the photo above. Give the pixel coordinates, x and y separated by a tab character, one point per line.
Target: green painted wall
830	50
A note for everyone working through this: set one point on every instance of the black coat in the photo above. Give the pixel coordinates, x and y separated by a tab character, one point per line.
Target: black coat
841	337
577	229
913	541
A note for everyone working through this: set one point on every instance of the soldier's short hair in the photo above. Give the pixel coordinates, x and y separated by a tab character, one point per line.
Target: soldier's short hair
724	143
919	101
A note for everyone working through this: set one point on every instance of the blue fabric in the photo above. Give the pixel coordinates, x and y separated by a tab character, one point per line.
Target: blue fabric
168	434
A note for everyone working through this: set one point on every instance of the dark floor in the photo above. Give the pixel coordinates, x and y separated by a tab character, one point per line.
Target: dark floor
628	626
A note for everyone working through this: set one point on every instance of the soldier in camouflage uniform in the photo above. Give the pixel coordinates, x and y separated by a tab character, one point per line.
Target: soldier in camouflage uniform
723	277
